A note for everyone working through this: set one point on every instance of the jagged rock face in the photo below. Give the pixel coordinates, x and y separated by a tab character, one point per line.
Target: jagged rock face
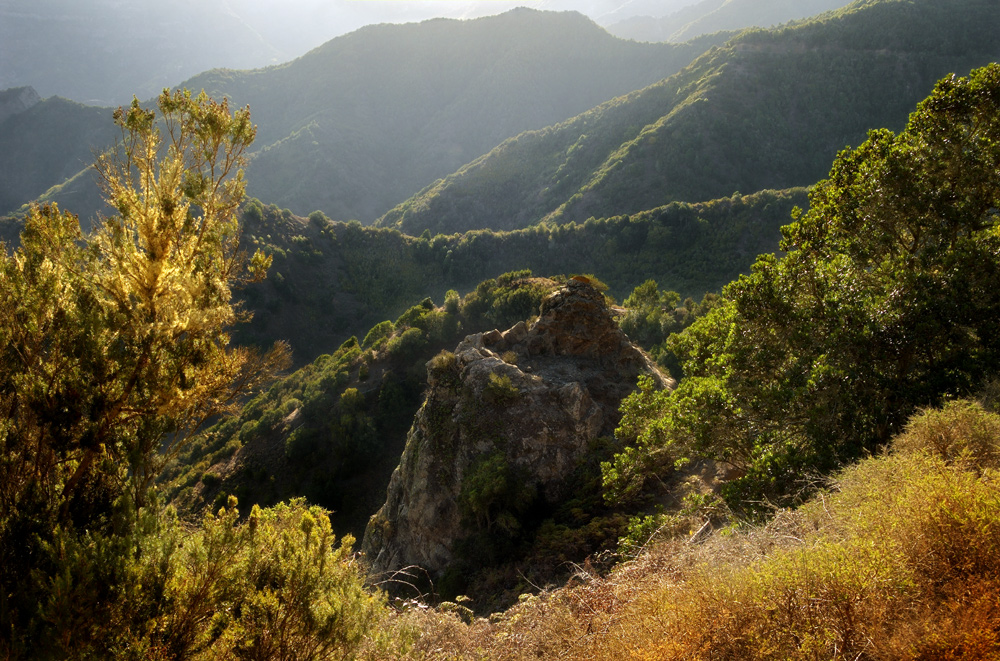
535	396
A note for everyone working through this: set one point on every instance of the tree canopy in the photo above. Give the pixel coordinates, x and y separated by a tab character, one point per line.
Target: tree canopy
887	299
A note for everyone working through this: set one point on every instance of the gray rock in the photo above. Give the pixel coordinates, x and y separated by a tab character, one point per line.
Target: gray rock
574	366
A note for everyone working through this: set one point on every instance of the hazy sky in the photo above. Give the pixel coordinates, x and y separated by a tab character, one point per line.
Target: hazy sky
295	26
102	51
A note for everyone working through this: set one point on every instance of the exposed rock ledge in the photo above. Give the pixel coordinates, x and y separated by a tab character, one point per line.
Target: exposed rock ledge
568	373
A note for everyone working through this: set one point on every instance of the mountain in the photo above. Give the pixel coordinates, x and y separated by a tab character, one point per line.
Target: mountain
103	52
770	109
49	144
16	100
711	16
334	429
507	422
368	119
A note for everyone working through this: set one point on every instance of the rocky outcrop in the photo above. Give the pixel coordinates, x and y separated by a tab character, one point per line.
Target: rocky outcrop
16	100
526	402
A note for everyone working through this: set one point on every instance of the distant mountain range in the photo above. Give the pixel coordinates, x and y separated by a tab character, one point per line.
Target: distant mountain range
770	109
710	16
516	108
368	119
102	52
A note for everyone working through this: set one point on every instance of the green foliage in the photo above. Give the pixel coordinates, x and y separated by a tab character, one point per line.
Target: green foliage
494	496
366	275
652	316
378	335
116	350
339	430
272	586
406	346
500	390
885	302
512	297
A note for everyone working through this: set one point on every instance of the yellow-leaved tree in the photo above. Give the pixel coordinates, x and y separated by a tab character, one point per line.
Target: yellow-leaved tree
114	350
115	342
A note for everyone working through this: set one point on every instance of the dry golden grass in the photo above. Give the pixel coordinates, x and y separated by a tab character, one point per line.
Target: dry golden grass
899	559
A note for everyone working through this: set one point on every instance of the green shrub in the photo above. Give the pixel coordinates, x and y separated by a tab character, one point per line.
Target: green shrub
494	495
500	390
404	348
211	479
378	335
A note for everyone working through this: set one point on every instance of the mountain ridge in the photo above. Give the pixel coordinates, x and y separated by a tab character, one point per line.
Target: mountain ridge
769	109
368	119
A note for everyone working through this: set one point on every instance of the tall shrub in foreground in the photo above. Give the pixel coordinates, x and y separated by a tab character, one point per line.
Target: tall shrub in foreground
114	349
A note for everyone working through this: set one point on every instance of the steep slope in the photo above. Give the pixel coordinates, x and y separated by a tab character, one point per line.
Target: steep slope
711	16
368	119
45	145
769	110
333	430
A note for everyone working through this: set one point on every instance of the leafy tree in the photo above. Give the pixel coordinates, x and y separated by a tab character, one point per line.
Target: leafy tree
888	299
115	347
652	316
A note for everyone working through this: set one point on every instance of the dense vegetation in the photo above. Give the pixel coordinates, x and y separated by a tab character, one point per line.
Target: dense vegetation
894	560
333	280
770	109
116	351
333	430
856	353
885	301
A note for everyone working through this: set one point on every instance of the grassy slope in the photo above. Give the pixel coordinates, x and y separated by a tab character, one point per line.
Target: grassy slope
769	110
897	560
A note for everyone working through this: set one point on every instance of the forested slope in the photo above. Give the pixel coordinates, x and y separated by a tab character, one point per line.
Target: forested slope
368	119
768	110
331	280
